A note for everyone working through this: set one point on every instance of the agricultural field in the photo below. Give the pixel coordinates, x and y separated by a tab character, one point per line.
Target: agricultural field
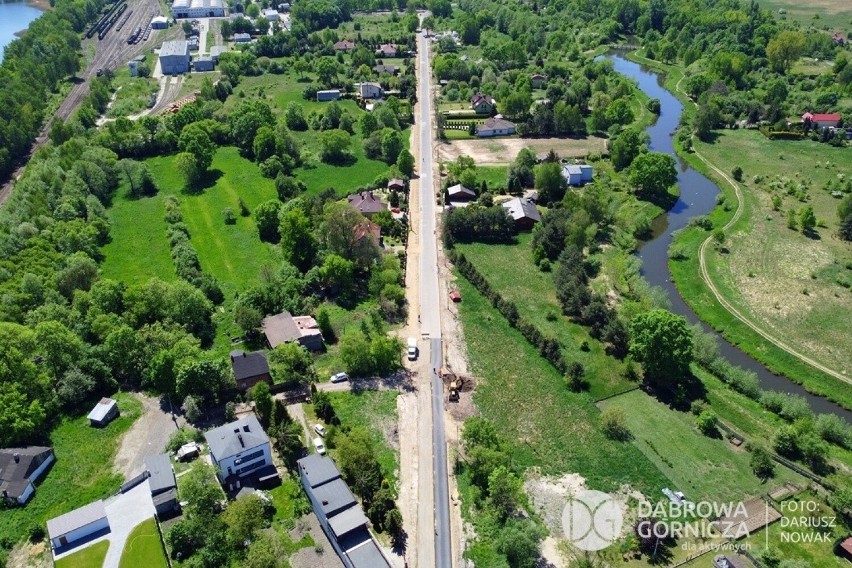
143	547
535	296
795	285
725	474
81	474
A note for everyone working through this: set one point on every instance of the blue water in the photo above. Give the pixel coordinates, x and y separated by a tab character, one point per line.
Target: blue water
14	17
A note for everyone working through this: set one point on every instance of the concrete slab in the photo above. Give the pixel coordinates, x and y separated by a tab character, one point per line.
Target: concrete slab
125	512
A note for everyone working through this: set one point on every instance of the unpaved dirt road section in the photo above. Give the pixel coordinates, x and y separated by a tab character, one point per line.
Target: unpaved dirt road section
147	437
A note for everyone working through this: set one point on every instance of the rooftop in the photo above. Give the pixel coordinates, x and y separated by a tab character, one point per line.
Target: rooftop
366	202
176	47
367	554
101	409
459	189
520	208
318	469
235	437
161	475
246	365
284	327
76	519
15	472
334	496
495	123
198	4
347	521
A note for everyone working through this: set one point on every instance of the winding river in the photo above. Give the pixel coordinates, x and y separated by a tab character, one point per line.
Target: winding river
697	197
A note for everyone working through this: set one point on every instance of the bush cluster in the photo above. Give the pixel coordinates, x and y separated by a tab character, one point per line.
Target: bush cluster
184	255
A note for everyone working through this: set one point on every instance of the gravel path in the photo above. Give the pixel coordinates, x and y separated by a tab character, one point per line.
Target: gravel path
148	436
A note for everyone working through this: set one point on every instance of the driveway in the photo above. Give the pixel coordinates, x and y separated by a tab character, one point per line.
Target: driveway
147	437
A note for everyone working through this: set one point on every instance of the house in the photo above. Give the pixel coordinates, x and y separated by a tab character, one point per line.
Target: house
389	69
103	413
242	38
845	548
523	212
538	80
163	484
495	127
284	328
174	57
20	470
396	184
817	120
482	104
339	514
577	174
328	95
370	90
344	45
202	63
366	203
198	8
249	368
216	51
240	452
459	192
159	23
368	229
387	50
77	525
270	14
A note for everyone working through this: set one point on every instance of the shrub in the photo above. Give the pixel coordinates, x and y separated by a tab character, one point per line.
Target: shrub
708	423
834	429
229	216
614	424
761	463
737	172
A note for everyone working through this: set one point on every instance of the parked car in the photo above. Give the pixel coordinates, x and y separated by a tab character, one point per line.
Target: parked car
339	377
320	447
319	429
412	349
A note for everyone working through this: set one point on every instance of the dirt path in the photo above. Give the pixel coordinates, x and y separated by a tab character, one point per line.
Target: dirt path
147	437
297	413
502	151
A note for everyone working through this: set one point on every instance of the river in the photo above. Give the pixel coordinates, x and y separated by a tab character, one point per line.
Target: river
697	197
14	17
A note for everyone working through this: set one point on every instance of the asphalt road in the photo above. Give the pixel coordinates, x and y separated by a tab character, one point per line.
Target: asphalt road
430	309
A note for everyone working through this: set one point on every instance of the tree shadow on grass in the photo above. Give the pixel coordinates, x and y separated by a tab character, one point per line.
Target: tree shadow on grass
812	234
208	179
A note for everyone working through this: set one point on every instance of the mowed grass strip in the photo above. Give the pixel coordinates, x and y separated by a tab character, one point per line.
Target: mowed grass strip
143	547
546	425
81	474
510	270
703	468
90	557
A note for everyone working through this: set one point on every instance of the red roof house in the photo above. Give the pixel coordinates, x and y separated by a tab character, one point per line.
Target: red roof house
822	120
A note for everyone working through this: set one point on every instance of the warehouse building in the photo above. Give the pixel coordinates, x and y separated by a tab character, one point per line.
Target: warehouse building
202	63
159	23
199	8
174	57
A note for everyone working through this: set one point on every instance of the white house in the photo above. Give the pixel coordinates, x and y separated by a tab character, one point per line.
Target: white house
20	469
370	90
78	524
198	8
577	174
174	57
328	95
271	15
103	413
495	127
159	23
239	450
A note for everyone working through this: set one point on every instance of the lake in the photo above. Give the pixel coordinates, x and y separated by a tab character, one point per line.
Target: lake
14	17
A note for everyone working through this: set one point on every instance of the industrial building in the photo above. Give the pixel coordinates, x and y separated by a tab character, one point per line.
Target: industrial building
159	23
216	51
198	8
202	63
174	57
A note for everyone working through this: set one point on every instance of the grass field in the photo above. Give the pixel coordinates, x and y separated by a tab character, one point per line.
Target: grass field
81	474
143	547
671	441
535	296
790	540
134	92
833	14
546	425
90	557
790	284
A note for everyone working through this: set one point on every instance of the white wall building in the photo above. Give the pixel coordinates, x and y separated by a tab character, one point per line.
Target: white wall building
174	57
78	524
198	8
239	450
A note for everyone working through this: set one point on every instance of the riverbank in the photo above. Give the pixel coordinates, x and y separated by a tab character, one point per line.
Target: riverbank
686	275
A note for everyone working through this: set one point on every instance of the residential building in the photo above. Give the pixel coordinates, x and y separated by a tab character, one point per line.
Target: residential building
459	192
366	203
163	484
202	63
103	413
523	212
285	328
21	469
198	8
370	90
329	95
396	184
387	50
79	524
389	69
240	452
482	104
818	120
344	45
174	57
249	368
495	126
242	38
159	23
216	51
270	14
577	174
538	80
370	230
339	514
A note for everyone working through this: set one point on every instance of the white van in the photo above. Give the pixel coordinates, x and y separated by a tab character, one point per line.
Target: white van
412	349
